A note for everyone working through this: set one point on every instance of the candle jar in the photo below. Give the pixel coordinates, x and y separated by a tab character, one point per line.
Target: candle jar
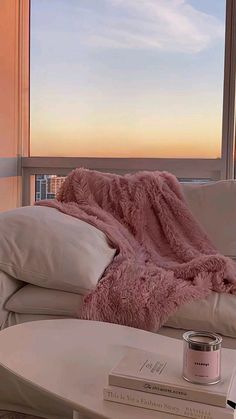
202	357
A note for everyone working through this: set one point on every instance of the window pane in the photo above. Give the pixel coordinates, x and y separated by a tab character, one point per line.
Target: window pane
46	186
132	78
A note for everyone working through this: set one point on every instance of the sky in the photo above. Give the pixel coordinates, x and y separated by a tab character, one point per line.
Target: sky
127	78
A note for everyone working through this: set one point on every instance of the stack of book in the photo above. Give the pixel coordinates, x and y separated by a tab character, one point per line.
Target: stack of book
151	381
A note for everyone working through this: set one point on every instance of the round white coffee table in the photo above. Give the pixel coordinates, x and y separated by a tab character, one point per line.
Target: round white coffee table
70	359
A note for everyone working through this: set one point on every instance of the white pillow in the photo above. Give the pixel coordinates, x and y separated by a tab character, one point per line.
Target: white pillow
215	313
45	247
32	299
8	286
214	206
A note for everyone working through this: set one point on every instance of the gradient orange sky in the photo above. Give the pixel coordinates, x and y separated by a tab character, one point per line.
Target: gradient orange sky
148	85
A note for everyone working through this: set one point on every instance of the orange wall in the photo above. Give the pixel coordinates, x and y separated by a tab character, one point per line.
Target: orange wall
8	78
8	193
11	104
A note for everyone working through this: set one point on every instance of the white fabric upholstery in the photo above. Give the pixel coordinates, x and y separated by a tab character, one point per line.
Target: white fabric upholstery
36	300
214	206
216	313
45	247
8	286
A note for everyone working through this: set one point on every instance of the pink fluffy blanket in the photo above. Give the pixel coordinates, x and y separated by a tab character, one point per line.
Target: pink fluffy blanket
163	258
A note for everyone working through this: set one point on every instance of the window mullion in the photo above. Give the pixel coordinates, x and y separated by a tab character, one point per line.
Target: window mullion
228	125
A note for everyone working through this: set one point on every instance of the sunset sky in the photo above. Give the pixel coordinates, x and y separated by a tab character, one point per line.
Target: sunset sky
127	78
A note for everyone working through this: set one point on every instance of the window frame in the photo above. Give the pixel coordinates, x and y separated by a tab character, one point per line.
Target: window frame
214	169
228	117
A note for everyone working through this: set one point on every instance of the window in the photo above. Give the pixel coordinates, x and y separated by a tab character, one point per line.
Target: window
125	86
46	186
130	78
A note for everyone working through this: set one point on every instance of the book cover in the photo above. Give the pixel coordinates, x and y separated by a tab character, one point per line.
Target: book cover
166	404
153	373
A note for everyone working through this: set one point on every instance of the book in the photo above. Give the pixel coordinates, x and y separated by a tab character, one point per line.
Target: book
153	373
180	407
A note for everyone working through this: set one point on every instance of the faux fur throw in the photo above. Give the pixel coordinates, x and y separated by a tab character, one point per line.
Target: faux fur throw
163	258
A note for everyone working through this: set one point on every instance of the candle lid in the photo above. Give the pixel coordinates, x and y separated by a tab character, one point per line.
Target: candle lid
202	340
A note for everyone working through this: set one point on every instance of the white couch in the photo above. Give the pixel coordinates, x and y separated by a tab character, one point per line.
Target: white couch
49	260
23	299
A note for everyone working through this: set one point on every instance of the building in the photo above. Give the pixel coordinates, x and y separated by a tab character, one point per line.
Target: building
46	186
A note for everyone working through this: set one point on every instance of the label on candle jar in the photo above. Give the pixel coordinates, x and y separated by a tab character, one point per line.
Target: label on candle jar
201	366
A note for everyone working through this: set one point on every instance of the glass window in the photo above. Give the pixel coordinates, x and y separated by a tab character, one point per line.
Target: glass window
113	78
46	186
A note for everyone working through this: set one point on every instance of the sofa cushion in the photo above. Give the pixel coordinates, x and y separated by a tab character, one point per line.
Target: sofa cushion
32	299
215	313
214	206
45	247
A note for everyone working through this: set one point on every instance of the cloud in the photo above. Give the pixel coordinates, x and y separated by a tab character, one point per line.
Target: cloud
168	25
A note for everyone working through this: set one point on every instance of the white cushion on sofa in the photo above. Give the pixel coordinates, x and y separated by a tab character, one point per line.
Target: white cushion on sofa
214	206
215	313
32	299
8	286
43	246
